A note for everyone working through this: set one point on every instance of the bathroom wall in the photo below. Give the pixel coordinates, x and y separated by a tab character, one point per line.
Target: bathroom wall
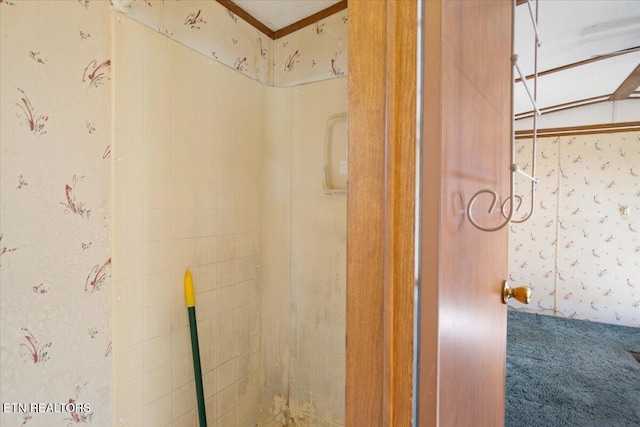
275	292
313	53
579	252
303	282
318	265
55	339
187	195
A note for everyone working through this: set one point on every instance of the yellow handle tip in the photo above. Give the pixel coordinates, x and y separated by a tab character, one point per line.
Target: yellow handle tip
189	293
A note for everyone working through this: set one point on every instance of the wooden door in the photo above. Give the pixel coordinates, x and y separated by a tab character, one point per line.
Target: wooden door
466	126
466	137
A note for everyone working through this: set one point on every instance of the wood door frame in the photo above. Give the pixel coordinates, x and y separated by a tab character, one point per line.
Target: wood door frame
381	218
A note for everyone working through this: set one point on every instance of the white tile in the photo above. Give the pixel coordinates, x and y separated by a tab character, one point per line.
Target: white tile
209	384
227	298
226	196
243	341
206	250
181	371
205	304
226	349
228	149
206	222
228	116
158	413
242	366
207	277
208	358
207	109
207	137
226	271
244	245
226	247
183	399
211	411
188	419
244	269
180	338
225	375
227	164
157	256
157	224
226	402
206	167
136	419
184	194
225	324
157	352
136	327
157	320
136	360
135	391
180	316
227	221
207	81
157	289
206	194
157	384
183	250
157	192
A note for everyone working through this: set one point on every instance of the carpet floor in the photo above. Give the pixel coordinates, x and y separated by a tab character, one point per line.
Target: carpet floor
565	372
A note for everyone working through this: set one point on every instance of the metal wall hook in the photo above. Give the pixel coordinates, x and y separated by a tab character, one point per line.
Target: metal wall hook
514	167
491	209
518	198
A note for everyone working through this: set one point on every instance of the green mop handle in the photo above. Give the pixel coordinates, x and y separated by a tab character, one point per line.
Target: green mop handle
190	298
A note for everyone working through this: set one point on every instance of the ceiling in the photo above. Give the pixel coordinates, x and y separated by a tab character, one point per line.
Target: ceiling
277	14
571	31
574	31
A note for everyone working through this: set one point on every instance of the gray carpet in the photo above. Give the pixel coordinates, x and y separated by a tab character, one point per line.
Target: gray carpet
564	372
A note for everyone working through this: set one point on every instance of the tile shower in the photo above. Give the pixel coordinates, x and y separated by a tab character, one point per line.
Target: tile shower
219	173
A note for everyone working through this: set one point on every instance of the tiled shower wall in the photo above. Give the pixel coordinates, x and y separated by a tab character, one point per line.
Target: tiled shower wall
303	255
318	267
187	194
579	252
219	174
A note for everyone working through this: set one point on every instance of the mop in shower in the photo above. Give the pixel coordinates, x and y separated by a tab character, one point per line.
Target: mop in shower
190	298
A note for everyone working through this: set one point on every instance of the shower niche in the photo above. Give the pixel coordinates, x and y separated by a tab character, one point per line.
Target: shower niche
335	155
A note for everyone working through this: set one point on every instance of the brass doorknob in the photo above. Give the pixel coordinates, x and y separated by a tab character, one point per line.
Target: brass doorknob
521	293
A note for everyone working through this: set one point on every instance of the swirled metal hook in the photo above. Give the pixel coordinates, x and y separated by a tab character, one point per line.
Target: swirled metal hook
514	168
491	209
518	198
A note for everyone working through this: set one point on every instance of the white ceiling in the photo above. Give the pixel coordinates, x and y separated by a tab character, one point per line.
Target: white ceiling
277	14
573	31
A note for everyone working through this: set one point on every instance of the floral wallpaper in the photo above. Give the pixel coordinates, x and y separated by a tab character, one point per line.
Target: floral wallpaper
211	29
316	52
55	262
580	252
